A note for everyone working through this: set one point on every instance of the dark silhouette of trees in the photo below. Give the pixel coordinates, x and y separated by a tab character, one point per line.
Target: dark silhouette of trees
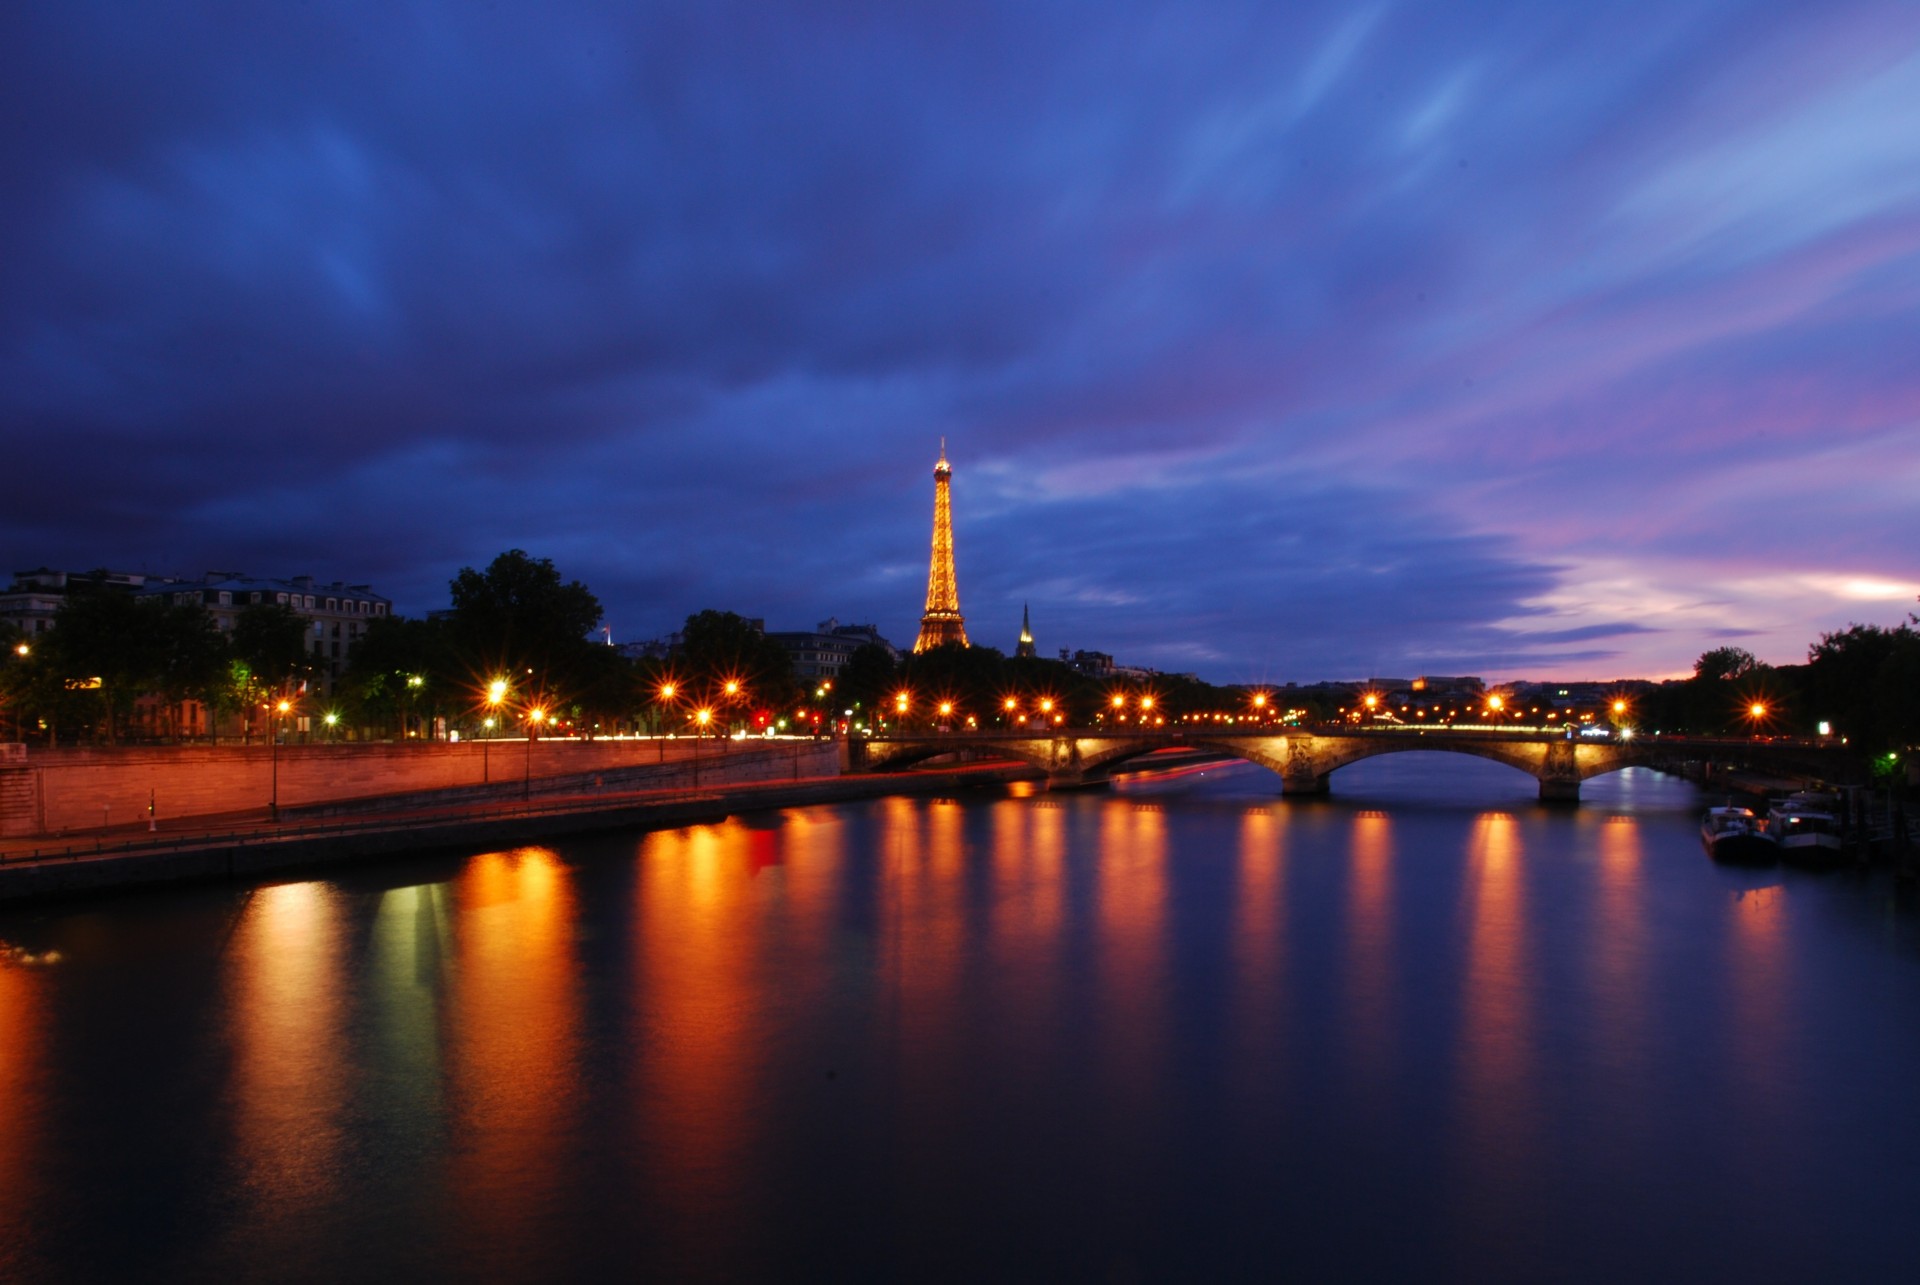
720	648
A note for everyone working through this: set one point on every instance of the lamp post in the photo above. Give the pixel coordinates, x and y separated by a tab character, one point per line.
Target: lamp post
535	717
273	758
496	693
668	690
702	716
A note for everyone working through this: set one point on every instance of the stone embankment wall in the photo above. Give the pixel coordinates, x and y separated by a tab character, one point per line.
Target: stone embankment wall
47	792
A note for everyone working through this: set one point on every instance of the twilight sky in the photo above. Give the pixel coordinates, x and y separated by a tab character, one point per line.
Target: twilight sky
1271	342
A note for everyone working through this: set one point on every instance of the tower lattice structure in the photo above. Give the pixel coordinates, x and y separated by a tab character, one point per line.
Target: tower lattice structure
942	622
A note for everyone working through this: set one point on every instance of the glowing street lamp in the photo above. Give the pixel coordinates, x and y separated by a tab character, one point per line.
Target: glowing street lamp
1146	703
535	717
273	790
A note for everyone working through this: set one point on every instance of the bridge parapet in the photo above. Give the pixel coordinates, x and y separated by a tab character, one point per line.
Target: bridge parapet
1305	760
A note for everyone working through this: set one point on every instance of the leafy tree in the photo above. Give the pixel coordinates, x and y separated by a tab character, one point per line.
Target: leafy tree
1867	680
519	614
191	655
104	649
270	639
1723	664
866	679
403	669
720	647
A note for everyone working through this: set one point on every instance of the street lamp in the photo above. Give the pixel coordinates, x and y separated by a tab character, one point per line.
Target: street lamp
496	694
273	757
702	717
535	717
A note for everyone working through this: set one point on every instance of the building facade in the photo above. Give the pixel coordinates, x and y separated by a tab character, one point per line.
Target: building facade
337	614
824	652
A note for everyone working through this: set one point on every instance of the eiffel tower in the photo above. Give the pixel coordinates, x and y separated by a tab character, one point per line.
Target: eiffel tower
942	622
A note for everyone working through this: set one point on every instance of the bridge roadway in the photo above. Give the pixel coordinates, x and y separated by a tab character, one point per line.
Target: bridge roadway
1304	759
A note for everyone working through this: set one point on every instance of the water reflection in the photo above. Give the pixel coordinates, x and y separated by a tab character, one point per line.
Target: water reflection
1131	1002
1758	977
1497	1122
1259	1007
1182	1030
1369	945
698	1022
23	1069
288	1011
512	1053
1617	953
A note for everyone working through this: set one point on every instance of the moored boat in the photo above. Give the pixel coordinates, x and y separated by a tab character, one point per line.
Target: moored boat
1735	834
1806	829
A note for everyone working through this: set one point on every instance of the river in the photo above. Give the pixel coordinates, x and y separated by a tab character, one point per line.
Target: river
1424	1030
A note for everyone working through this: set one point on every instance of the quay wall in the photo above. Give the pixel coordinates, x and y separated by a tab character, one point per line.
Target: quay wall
267	852
53	792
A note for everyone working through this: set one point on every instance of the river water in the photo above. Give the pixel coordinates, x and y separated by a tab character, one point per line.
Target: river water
1425	1030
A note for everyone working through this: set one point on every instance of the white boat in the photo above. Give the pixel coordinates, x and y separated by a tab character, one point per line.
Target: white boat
1806	829
1735	834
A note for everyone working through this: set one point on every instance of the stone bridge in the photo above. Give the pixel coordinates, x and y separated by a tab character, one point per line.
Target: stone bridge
1305	760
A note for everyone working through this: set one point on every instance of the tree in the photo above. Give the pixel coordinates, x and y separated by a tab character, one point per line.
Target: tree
1724	663
719	648
104	650
270	639
866	679
191	656
403	669
519	613
519	620
1866	679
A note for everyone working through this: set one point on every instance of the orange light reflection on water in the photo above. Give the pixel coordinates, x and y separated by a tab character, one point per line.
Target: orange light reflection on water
290	1073
695	943
1260	951
1368	1004
22	1082
1132	992
513	1036
1618	950
1757	970
1498	1123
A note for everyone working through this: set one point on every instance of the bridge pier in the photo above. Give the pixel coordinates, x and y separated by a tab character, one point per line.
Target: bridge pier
1560	773
1555	790
1306	785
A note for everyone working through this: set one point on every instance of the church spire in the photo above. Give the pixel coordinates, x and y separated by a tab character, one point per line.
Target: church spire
1026	635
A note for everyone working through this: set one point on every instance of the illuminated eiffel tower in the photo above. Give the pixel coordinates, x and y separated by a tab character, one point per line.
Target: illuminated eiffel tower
942	622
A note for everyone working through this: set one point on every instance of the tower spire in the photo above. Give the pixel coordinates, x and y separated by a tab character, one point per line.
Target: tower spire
1025	647
942	622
